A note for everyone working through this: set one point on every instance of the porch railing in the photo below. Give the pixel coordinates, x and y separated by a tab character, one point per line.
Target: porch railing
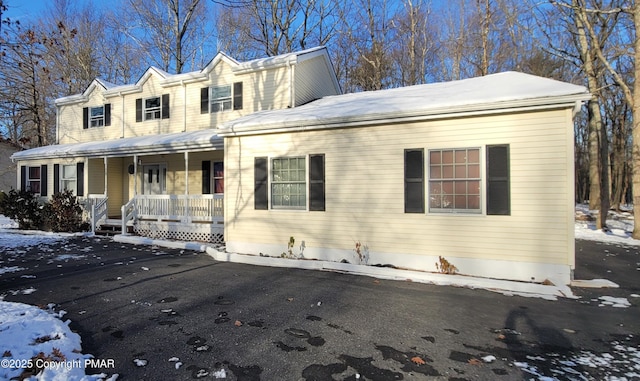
96	206
182	208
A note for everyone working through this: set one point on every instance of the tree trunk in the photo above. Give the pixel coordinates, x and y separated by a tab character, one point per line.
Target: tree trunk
635	150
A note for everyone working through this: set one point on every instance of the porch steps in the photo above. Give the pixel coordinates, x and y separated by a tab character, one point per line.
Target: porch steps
112	227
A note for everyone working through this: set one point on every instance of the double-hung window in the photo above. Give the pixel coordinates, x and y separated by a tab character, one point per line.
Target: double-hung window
33	179
220	98
97	116
152	108
68	178
288	183
296	182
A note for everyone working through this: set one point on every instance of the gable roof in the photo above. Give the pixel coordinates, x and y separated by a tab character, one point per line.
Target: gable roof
480	95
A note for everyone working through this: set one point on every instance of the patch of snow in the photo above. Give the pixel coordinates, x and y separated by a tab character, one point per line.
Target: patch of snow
220	374
7	223
614	302
11	269
21	325
140	362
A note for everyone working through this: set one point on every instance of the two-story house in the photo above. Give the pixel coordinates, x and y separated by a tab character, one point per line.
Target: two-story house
475	175
153	147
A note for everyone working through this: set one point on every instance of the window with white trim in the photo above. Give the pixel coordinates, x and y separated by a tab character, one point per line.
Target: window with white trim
96	118
152	108
68	178
33	179
220	98
288	183
454	180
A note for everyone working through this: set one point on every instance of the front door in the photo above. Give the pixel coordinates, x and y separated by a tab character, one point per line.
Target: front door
154	179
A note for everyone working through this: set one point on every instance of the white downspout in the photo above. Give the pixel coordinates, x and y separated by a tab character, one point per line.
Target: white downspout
123	125
292	90
184	106
57	124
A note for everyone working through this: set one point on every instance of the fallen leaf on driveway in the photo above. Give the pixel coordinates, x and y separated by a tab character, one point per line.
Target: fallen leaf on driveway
474	361
238	323
418	360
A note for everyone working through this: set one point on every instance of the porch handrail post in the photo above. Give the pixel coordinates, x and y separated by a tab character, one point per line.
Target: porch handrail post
93	218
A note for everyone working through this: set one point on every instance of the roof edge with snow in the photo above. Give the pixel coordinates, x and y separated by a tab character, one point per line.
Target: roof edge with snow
491	94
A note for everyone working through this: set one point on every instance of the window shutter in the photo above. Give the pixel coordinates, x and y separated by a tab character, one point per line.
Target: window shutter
165	106
498	192
85	118
43	180
80	179
261	194
414	181
56	178
204	100
23	177
107	114
206	177
316	182
139	110
237	96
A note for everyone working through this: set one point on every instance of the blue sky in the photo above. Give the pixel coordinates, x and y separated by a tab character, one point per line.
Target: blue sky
25	9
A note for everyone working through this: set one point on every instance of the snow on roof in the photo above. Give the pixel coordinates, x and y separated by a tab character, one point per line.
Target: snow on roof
278	60
491	92
140	145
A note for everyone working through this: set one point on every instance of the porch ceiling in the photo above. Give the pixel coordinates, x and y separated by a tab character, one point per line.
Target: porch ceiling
140	145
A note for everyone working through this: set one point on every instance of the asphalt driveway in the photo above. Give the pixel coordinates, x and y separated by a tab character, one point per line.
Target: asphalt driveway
172	314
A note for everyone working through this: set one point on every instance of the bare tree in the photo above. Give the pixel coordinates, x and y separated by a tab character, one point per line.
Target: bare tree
170	32
276	27
415	44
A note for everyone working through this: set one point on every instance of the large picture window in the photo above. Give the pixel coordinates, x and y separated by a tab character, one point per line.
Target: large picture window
288	183
454	180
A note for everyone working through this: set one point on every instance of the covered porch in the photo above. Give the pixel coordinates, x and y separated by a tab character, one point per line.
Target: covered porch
163	186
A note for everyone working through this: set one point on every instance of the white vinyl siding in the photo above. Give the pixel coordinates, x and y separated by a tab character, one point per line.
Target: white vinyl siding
365	190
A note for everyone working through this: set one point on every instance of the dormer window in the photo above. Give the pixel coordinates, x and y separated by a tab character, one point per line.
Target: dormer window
97	116
152	108
221	98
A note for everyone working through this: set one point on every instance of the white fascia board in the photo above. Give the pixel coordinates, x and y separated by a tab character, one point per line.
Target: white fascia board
71	99
122	90
180	79
119	149
569	101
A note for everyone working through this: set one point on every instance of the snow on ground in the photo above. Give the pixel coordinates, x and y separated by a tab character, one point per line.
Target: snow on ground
36	342
32	336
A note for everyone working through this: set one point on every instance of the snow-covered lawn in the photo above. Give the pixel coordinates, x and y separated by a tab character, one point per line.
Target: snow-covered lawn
37	338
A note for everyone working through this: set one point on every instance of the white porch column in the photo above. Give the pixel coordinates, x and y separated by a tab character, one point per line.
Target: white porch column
106	178
186	187
135	175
